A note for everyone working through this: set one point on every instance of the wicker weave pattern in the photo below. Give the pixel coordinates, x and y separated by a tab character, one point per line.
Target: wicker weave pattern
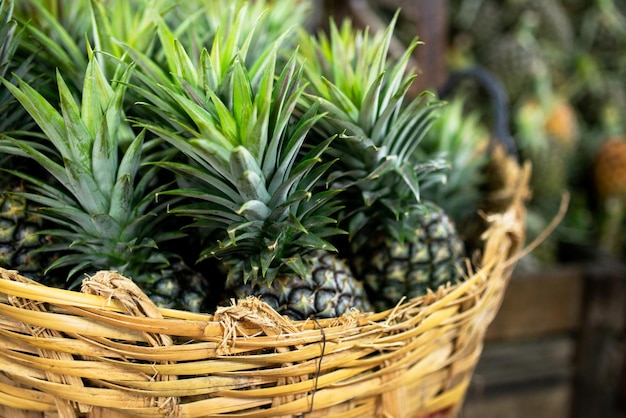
109	352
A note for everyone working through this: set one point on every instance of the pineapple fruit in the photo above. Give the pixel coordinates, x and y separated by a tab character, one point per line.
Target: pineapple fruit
548	134
429	256
251	184
609	175
515	61
610	169
19	222
19	229
549	18
103	213
399	244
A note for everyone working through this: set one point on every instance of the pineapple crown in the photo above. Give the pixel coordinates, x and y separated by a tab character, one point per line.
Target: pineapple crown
104	207
194	72
268	20
251	180
363	94
120	23
56	39
8	35
13	115
246	177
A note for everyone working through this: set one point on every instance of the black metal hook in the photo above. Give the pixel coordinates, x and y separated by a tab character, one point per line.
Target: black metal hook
498	97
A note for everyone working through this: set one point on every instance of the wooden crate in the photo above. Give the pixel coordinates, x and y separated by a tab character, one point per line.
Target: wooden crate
528	363
540	304
557	347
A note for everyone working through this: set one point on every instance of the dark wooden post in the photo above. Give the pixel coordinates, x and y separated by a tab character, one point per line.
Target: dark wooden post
338	9
600	354
430	18
427	19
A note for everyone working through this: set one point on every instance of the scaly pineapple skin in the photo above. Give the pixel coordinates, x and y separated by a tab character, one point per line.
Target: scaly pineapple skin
328	292
392	269
18	234
177	287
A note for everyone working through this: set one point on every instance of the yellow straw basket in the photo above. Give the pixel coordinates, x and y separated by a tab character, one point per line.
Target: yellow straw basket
107	351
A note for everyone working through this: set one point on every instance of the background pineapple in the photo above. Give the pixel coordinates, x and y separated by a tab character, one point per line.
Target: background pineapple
548	136
549	19
609	174
399	245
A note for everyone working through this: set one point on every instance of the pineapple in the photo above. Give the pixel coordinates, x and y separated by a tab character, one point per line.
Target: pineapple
610	169
481	19
548	135
102	208
399	244
514	61
562	124
19	222
19	227
51	37
609	174
237	30
426	257
251	185
547	132
327	289
551	23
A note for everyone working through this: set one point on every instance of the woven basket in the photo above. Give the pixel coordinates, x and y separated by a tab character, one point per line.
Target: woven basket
107	351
